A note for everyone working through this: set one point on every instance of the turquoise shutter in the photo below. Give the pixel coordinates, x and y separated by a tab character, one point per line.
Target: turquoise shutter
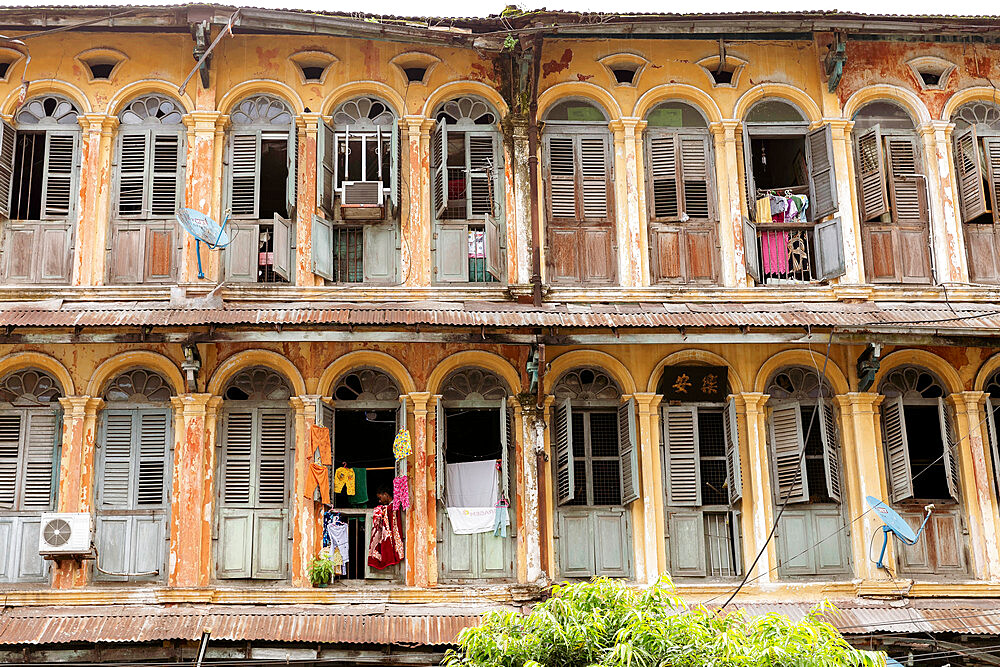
680	431
8	138
897	451
831	448
10	445
628	452
563	442
322	247
789	464
734	473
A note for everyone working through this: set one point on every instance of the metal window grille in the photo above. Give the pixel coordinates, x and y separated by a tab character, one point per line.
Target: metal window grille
815	466
477	255
720	544
265	256
712	447
597	468
348	254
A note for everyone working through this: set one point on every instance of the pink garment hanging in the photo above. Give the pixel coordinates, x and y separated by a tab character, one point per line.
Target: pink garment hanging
774	252
401	493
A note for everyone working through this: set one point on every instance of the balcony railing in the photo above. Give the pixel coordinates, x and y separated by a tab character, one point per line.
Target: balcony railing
785	253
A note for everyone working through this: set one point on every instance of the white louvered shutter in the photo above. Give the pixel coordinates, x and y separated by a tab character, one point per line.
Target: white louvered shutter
897	452
594	177
439	168
483	164
822	175
272	457
8	138
906	184
58	189
790	483
628	452
871	174
831	449
133	159
117	458
440	469
663	176
42	435
681	440
10	445
734	473
562	177
237	459
244	173
697	177
154	429
167	184
565	466
949	443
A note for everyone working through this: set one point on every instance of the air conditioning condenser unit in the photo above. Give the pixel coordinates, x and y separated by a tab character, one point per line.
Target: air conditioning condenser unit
65	534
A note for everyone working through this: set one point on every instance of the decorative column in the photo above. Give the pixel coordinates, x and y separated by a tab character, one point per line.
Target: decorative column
864	474
91	234
203	185
947	243
758	513
727	182
626	186
421	543
416	225
305	512
547	518
76	476
840	131
531	426
193	496
977	493
651	486
517	187
307	126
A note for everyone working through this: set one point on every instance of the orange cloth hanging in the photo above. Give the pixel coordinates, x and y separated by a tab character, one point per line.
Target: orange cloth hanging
319	475
320	439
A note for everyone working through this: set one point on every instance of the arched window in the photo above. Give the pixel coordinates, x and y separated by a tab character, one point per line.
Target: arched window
149	180
467	192
920	444
39	179
133	477
262	168
358	191
29	448
992	408
892	194
474	474
977	172
255	476
680	180
595	466
579	195
791	188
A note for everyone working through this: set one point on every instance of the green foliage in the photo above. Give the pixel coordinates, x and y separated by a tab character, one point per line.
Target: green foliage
606	623
510	43
320	570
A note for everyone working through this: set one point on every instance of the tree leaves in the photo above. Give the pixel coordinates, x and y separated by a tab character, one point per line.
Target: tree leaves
606	623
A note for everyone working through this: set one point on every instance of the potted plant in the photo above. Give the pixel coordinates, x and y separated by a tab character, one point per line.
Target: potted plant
321	571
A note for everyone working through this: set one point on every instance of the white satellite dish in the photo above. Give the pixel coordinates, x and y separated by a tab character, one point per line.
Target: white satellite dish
204	230
895	524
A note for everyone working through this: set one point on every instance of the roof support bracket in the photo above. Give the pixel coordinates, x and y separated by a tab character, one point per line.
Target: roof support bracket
833	63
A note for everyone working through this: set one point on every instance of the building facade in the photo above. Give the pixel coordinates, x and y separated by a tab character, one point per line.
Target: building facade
679	276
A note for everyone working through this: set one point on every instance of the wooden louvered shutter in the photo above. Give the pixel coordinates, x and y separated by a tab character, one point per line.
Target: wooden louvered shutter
439	168
327	162
133	160
244	173
828	242
440	471
493	247
663	197
751	250
58	189
991	407
697	177
395	165
237	458
628	452
292	180
949	443
594	181
322	247
790	483
681	441
117	461
907	185
282	246
10	445
562	177
565	465
822	175
482	170
273	454
734	473
504	453
871	174
831	449
8	138
166	189
969	174
749	186
991	145
897	451
154	430
41	435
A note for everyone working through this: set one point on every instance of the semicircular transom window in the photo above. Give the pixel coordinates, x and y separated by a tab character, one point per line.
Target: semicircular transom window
587	384
471	384
364	112
576	110
47	110
887	115
138	386
676	114
152	110
29	387
258	384
466	111
993	385
798	383
261	110
366	384
912	382
774	111
981	114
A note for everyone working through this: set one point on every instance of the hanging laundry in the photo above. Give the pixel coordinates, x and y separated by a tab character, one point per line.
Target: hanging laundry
320	440
401	493
328	516
319	476
774	252
471	484
472	520
343	478
401	447
386	545
502	521
336	537
360	495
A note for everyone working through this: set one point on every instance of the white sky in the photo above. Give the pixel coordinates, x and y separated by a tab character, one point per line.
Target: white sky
486	7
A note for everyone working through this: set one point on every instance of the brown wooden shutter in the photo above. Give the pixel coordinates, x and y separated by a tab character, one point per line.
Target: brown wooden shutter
992	147
751	250
132	160
828	250
7	141
565	466
790	483
663	177
594	183
697	176
58	191
871	174
562	177
969	175
897	451
949	443
439	168
906	184
822	176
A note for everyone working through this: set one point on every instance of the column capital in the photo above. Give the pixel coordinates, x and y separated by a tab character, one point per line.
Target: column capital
421	401
647	401
754	401
725	129
308	120
97	122
859	402
204	121
839	127
932	127
629	125
81	406
305	402
195	405
965	401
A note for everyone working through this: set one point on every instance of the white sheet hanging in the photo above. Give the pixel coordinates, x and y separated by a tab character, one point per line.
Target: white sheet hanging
471	484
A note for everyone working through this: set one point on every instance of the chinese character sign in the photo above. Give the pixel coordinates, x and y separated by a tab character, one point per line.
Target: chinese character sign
694	383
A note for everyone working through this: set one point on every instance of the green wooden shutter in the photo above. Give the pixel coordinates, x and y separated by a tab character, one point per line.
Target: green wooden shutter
751	250
828	249
269	545
696	176
511	479
749	186
451	252
493	246
561	163
872	195
664	192
687	544
327	165
153	449
235	548
10	446
167	186
734	473
439	168
822	175
244	173
594	177
237	458
282	246
680	432
272	456
242	252
790	483
906	182
379	252
440	471
563	441
8	138
116	477
322	247
949	443
58	191
40	449
133	162
897	451
831	449
504	454
991	146
628	452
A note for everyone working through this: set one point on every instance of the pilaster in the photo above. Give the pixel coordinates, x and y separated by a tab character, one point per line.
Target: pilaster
306	514
203	187
416	226
651	485
840	131
530	424
758	513
947	243
517	183
727	179
421	544
91	234
627	186
307	127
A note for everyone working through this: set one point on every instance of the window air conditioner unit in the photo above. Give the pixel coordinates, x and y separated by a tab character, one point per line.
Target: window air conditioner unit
362	200
65	534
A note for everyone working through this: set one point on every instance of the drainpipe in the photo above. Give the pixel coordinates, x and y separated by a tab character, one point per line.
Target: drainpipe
536	249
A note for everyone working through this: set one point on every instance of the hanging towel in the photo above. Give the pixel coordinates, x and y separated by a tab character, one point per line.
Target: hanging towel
502	522
471	484
360	495
471	520
320	439
401	493
401	447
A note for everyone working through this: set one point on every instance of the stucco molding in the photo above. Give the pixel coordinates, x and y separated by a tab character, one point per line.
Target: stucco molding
39	87
986	370
365	358
783	91
699	356
354	89
155	361
453	89
560	91
243	89
932	362
966	95
21	360
682	92
248	358
883	91
807	358
129	92
582	358
478	359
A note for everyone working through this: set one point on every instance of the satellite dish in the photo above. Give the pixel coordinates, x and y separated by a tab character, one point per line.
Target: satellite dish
204	230
895	524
